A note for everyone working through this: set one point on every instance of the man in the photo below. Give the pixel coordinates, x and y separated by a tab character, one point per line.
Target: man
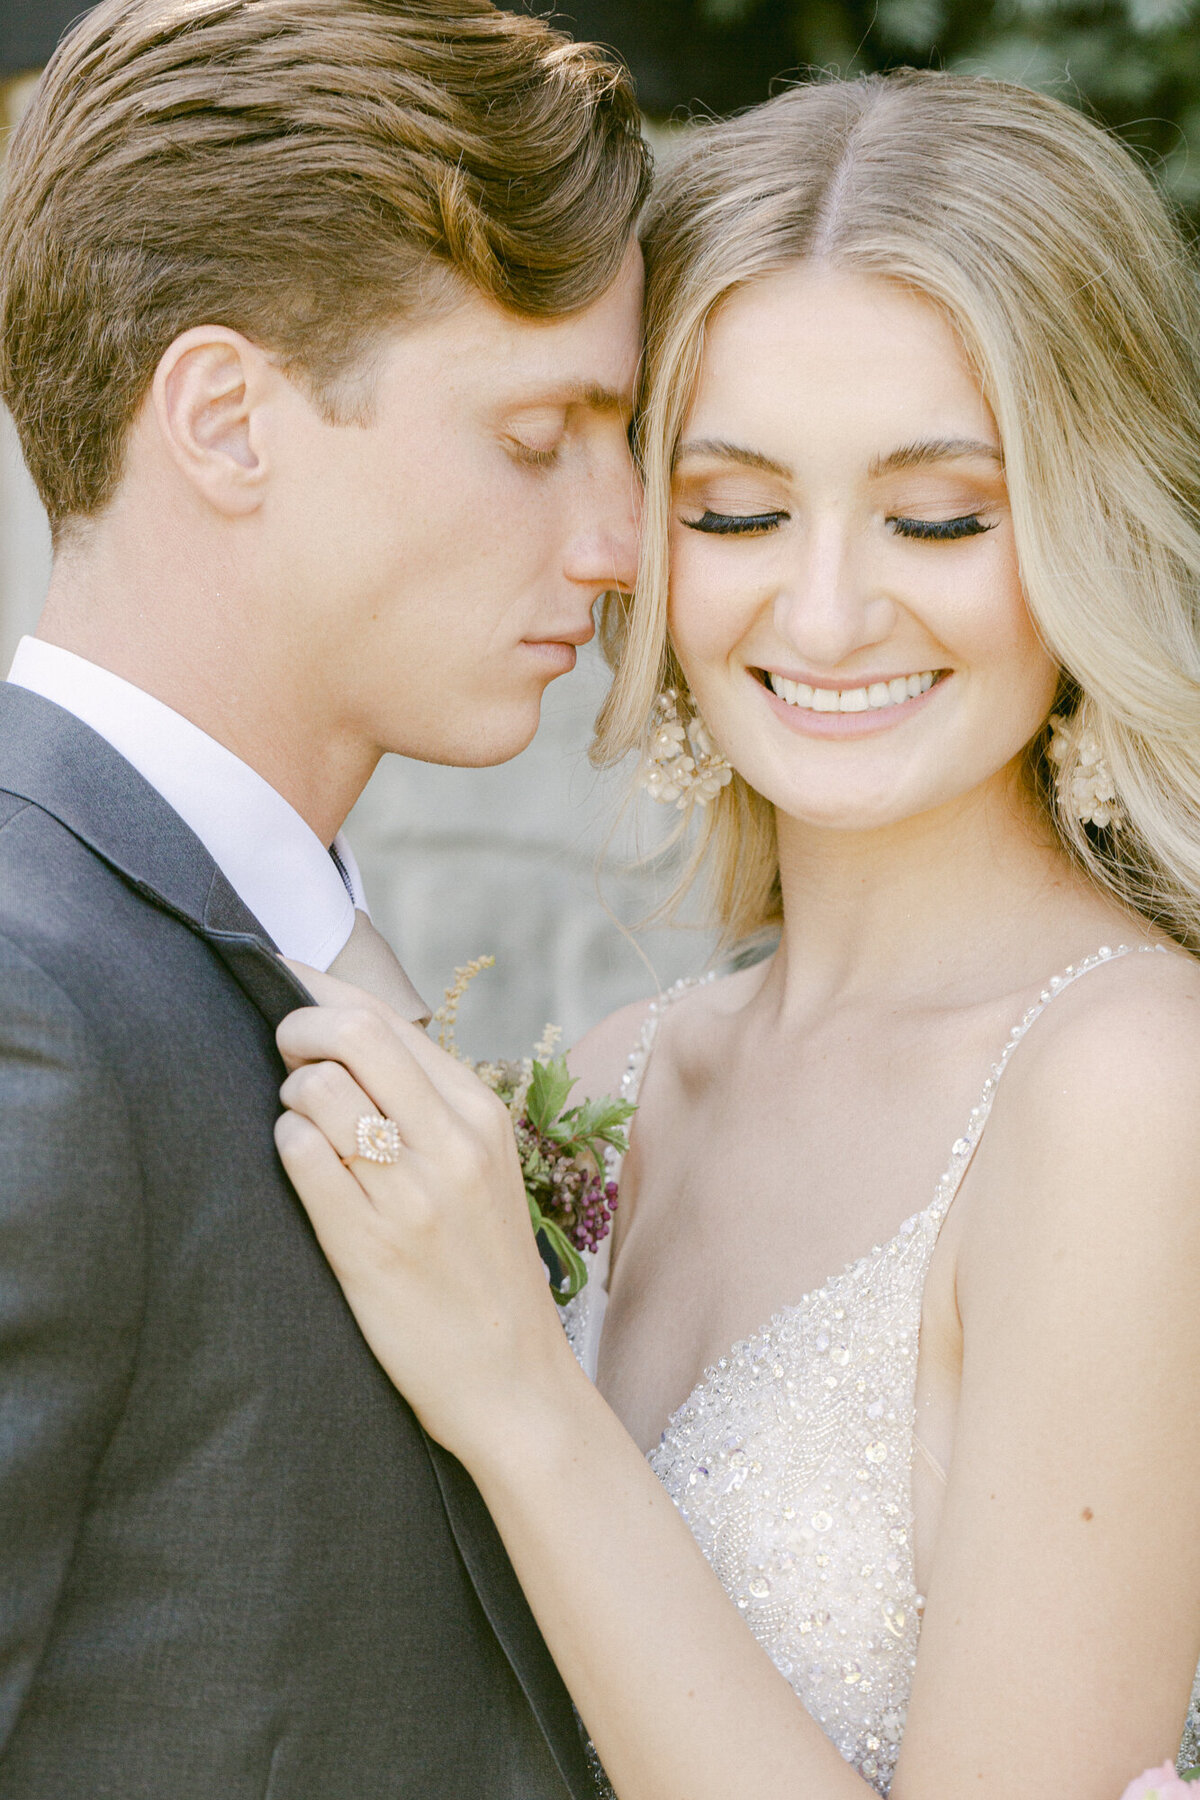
320	321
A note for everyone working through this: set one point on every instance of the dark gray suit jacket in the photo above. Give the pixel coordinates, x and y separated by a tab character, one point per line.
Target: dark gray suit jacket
232	1566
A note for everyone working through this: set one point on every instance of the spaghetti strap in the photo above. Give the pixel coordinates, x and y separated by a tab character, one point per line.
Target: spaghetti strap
639	1056
964	1148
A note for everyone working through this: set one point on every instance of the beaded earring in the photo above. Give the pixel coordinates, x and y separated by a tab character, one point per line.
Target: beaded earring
1086	788
681	763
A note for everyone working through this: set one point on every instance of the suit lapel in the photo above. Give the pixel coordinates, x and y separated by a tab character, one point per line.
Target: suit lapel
52	760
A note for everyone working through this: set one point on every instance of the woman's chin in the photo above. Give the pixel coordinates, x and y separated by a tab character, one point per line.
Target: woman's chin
850	810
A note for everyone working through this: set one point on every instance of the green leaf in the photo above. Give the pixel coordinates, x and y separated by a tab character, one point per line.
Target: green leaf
614	1134
570	1259
1192	1774
549	1086
598	1118
594	1123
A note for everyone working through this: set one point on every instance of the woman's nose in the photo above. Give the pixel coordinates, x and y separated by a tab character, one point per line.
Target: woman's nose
827	605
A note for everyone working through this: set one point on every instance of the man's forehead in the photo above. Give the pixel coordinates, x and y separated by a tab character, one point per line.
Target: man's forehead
586	359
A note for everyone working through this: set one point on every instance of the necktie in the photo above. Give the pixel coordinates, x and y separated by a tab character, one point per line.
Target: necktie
368	960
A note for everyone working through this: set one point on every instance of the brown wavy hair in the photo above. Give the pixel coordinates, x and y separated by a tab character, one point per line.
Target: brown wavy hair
307	172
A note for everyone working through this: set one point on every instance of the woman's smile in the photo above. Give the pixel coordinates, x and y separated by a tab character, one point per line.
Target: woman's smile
820	709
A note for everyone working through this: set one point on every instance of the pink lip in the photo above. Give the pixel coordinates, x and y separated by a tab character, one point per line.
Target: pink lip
837	725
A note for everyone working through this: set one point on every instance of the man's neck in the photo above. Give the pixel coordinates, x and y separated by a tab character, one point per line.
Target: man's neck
230	684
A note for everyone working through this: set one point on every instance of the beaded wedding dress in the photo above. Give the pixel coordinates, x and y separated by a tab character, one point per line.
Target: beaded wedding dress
791	1460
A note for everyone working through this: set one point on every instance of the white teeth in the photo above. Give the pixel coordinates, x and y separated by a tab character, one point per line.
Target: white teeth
853	700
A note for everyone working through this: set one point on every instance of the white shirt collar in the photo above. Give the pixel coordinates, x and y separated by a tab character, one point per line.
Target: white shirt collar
275	863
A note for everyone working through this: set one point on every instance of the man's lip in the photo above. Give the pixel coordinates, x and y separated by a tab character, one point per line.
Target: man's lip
574	634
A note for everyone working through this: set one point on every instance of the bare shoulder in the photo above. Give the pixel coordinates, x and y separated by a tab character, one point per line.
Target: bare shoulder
1125	1037
1096	1127
600	1058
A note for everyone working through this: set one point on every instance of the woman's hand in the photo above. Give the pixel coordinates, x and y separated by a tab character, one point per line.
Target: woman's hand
434	1251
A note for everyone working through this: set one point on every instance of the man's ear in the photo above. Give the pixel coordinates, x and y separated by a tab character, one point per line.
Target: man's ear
209	390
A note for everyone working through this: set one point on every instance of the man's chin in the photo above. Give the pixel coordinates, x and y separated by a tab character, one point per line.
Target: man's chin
493	741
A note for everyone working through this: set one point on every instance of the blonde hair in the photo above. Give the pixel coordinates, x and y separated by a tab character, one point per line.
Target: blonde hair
1049	250
308	172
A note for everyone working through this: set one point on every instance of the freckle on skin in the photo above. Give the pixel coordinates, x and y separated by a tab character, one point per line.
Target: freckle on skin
1086	1513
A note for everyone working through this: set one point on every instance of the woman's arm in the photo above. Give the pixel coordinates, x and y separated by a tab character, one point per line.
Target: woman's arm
1063	1621
1055	1646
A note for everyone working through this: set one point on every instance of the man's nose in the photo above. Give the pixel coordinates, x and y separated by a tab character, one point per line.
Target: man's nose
603	552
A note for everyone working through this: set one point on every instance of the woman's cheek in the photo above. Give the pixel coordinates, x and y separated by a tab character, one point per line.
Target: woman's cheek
706	617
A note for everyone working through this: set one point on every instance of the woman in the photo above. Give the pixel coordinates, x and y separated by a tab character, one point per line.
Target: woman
921	441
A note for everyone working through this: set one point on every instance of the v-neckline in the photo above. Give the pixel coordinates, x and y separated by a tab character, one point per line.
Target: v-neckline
961	1155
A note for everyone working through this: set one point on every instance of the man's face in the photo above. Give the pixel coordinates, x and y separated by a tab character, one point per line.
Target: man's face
442	561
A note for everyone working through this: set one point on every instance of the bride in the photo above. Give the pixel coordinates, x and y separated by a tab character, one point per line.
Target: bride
890	1479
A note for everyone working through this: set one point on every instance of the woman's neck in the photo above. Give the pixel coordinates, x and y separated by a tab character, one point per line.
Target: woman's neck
972	891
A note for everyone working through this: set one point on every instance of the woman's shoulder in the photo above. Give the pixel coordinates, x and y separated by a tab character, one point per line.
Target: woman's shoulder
601	1057
1128	1030
1096	1125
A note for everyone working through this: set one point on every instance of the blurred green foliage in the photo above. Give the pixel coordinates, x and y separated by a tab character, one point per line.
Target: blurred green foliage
1134	63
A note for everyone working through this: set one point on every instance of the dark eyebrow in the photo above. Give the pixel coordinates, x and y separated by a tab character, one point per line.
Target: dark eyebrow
721	451
933	450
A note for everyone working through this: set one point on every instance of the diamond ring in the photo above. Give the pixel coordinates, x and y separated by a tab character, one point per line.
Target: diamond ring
376	1139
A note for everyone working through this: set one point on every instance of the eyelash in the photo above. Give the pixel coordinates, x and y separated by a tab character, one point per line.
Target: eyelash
735	524
535	459
940	530
922	530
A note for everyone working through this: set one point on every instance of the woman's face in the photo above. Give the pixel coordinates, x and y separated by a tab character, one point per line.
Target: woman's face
845	600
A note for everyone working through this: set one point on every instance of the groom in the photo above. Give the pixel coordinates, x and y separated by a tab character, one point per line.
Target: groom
319	324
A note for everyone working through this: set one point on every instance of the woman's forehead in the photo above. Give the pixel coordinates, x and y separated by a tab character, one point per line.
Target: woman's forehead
813	361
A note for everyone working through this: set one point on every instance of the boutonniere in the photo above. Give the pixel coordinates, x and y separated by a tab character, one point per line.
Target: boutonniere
564	1150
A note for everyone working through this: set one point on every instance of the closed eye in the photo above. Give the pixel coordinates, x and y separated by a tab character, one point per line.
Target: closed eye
940	530
736	524
534	459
